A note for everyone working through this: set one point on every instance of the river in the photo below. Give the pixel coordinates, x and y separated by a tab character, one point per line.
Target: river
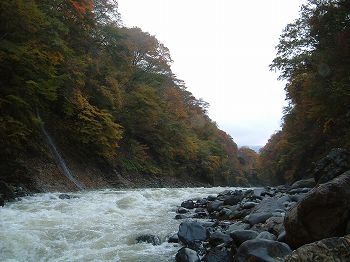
93	225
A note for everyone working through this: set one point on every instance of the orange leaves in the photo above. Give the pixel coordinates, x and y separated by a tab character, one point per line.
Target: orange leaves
82	6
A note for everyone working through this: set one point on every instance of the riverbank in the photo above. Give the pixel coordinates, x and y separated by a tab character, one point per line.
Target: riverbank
307	221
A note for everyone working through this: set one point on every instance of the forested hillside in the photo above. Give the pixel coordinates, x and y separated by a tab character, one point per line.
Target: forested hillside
313	56
105	92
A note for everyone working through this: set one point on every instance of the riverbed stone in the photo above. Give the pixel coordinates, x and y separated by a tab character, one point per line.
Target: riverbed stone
189	204
187	255
217	238
266	235
149	238
218	255
329	249
262	250
64	196
241	236
256	218
215	206
182	210
323	213
191	232
304	183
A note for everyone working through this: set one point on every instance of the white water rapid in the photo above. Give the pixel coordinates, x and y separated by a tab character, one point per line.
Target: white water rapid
93	225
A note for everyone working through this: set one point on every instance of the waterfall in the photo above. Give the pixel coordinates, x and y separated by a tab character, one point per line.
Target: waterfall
59	159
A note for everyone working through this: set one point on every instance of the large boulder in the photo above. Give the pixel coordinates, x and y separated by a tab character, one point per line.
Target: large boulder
218	255
323	213
187	255
331	166
329	249
191	232
262	250
240	236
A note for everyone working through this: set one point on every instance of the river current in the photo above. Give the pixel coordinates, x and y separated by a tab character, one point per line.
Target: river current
93	225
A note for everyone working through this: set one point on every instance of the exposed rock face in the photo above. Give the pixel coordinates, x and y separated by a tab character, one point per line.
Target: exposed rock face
330	249
323	213
262	250
331	166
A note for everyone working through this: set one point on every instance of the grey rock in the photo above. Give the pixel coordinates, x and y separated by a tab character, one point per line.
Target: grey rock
192	231
182	210
173	239
217	238
189	204
241	236
262	250
187	255
266	235
64	196
237	226
149	238
257	218
308	183
218	255
215	206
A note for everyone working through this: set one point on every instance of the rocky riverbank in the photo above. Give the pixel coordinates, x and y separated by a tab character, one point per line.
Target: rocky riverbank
307	221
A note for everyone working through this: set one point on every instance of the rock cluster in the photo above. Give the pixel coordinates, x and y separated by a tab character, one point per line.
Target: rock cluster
267	224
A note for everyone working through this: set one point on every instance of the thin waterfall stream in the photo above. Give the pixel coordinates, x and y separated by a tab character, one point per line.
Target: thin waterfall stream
59	159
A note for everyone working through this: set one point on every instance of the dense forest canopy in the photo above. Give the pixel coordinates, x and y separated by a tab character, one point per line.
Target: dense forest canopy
106	90
313	56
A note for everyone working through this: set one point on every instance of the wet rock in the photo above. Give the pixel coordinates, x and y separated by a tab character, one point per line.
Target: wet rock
149	238
215	206
270	204
237	226
218	255
173	239
233	199
64	196
331	166
257	218
187	255
266	235
192	231
202	202
323	213
189	204
304	183
329	249
182	210
282	236
202	214
211	198
217	238
262	250
241	236
248	205
181	216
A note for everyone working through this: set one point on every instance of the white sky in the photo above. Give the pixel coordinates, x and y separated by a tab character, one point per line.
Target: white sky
222	50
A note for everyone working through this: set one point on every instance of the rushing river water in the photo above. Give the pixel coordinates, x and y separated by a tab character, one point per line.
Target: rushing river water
93	225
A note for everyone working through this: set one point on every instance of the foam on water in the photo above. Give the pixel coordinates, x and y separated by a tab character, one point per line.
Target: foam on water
93	225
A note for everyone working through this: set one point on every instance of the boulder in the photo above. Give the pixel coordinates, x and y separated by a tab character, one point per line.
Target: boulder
217	238
191	232
304	183
329	249
323	213
262	250
274	225
270	204
233	199
182	210
187	255
237	226
149	238
257	218
266	235
241	236
218	255
189	204
173	239
331	166
215	206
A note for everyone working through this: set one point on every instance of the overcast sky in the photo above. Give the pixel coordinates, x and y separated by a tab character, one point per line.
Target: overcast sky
222	50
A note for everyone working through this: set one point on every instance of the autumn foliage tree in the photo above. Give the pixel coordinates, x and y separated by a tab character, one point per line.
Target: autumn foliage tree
314	57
